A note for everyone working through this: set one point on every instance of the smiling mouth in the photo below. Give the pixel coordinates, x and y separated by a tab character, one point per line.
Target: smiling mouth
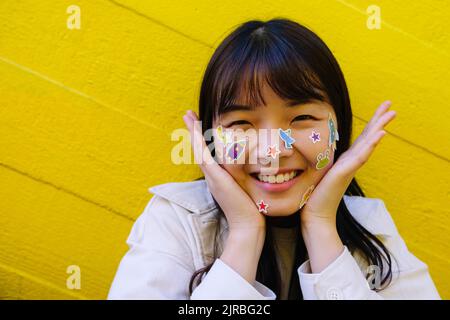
277	178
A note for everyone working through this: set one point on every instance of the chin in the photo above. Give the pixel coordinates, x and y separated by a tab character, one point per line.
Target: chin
281	210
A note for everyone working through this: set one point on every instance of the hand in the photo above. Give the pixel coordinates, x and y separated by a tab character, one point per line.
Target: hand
324	201
318	216
240	210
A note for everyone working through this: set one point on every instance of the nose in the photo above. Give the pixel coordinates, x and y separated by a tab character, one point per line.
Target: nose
270	144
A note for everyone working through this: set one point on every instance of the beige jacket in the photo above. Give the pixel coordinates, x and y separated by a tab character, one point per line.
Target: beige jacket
174	236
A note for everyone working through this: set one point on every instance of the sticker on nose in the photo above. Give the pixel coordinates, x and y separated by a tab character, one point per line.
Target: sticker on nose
285	135
273	151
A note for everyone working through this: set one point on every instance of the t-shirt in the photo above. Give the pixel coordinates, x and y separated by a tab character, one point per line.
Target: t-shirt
284	243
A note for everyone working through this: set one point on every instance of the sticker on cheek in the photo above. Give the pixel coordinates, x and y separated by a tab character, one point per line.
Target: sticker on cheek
236	149
285	135
306	196
262	206
323	159
334	135
315	136
225	136
273	151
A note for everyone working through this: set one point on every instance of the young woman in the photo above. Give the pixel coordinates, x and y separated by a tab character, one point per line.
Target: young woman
300	230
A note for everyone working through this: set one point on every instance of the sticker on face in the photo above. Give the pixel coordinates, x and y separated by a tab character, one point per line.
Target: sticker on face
236	150
334	135
315	136
273	151
225	136
306	196
262	206
323	159
285	135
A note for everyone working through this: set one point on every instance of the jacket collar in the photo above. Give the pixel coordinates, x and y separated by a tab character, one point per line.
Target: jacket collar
193	196
196	198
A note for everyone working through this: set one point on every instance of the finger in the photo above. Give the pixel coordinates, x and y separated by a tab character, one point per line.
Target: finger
378	113
382	122
383	107
202	155
368	148
201	151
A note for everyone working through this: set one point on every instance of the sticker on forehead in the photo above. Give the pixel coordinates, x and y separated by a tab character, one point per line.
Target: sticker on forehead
315	136
225	136
323	159
236	149
273	151
334	135
262	206
306	196
285	135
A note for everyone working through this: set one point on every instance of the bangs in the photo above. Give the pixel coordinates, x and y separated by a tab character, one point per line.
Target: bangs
265	61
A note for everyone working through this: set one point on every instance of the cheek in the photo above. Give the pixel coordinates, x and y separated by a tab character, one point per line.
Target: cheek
236	171
309	149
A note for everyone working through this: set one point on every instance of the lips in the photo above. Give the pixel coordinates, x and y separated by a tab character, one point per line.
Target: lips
283	180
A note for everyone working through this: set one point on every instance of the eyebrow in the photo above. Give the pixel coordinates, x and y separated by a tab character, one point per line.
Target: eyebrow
239	107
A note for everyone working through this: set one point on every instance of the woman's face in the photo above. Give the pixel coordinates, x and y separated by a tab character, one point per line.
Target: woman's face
272	181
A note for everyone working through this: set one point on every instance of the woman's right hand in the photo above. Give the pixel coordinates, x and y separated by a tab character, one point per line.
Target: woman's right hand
240	210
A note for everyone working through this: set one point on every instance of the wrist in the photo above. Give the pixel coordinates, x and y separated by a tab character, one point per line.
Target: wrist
310	223
322	242
243	249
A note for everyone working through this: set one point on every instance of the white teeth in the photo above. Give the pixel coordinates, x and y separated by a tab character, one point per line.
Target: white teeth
279	178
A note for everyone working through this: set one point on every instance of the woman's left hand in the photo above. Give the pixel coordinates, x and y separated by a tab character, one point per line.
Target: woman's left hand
318	216
323	203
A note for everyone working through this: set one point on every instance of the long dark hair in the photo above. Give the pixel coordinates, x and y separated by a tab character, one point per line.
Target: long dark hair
298	65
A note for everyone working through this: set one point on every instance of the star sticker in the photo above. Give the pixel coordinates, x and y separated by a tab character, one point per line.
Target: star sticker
273	151
315	136
262	207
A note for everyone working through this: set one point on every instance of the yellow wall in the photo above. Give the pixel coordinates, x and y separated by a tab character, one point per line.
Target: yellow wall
86	116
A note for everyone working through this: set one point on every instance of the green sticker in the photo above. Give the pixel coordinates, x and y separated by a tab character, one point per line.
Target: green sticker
323	159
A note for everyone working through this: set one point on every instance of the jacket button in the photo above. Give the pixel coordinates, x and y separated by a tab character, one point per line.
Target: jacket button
334	293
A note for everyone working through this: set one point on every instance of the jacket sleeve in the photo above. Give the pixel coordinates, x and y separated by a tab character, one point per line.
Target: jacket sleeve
223	283
159	263
343	279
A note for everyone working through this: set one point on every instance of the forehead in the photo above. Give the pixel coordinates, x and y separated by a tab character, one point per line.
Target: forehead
268	96
272	101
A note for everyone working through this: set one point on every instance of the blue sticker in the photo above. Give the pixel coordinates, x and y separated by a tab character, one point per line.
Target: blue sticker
334	135
286	137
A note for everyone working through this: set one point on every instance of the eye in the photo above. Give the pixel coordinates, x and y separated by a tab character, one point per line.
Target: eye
304	117
238	122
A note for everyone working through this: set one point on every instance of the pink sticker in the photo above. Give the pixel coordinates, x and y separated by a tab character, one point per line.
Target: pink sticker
273	151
